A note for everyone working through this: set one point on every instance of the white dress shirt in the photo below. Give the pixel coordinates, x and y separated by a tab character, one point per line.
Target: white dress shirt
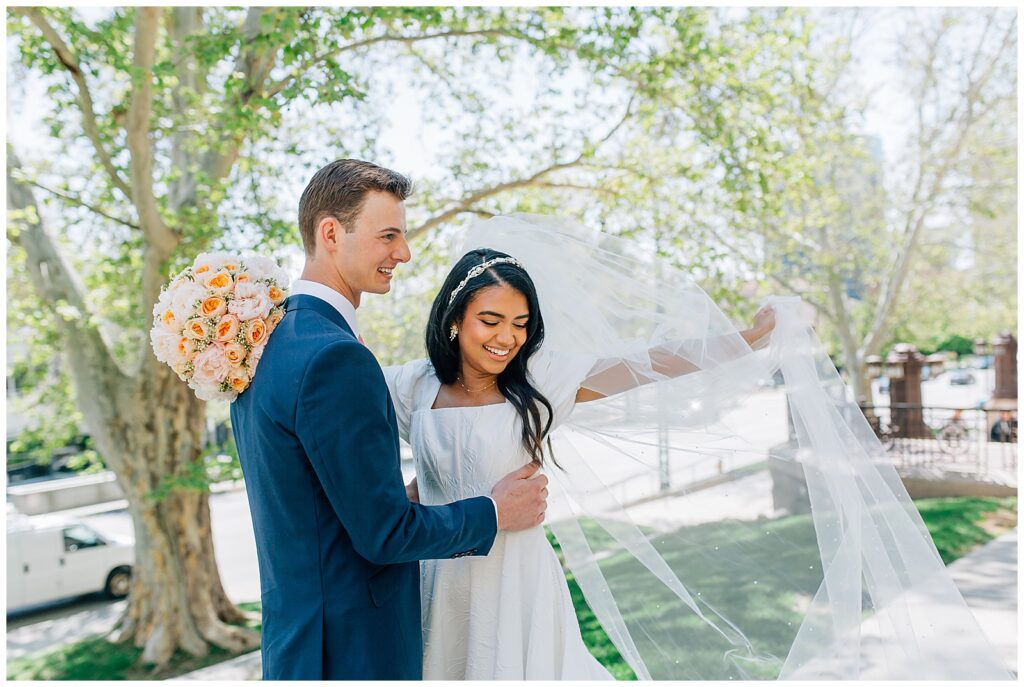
305	287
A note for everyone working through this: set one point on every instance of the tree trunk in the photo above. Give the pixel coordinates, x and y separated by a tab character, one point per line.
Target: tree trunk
177	599
148	428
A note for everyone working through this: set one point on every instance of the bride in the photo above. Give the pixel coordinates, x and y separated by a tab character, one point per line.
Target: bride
482	405
548	343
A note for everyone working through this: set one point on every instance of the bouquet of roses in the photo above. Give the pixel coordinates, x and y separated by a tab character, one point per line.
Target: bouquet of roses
212	321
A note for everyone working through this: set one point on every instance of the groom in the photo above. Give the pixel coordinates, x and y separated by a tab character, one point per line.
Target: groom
337	539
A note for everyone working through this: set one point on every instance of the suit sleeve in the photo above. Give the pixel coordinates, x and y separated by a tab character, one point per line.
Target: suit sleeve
343	423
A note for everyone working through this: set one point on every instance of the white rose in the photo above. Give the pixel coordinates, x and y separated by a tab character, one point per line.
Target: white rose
262	267
165	346
183	301
211	366
214	260
165	314
254	358
251	300
212	392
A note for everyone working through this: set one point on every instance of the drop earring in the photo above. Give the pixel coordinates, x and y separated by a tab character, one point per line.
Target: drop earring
453	332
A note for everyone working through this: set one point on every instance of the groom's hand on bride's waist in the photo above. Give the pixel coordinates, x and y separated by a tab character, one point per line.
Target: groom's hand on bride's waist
521	501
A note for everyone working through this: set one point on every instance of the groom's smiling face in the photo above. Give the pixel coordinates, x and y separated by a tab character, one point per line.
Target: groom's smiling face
367	253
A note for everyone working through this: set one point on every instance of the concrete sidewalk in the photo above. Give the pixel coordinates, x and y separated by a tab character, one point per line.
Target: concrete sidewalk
987	579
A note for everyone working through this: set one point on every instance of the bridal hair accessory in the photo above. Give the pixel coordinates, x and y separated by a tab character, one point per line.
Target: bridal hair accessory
212	321
453	332
477	271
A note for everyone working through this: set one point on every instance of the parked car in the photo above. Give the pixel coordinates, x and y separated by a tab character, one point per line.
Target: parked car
50	559
961	378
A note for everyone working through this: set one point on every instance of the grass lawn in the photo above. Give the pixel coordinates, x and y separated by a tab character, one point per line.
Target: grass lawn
957	525
96	658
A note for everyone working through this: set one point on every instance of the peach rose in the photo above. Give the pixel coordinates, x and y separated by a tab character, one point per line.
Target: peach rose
276	315
242	276
235	353
185	347
214	306
220	282
197	329
227	328
276	295
201	269
230	265
168	319
255	331
238	379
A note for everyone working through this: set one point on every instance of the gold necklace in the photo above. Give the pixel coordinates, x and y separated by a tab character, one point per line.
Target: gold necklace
475	391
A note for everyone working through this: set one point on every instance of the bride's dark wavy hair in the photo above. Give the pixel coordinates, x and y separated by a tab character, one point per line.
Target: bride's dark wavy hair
513	382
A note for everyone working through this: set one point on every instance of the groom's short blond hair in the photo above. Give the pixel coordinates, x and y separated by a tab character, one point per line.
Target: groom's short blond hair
339	189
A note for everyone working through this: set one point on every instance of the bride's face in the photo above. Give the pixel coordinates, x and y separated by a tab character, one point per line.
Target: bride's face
493	330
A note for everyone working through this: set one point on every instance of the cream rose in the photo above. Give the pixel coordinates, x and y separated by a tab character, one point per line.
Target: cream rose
262	267
184	300
165	346
207	263
251	301
254	358
211	392
211	366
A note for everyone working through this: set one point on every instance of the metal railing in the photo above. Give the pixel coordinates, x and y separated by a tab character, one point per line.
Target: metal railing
966	438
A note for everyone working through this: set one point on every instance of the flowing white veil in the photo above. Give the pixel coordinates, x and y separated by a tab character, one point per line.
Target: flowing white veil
728	513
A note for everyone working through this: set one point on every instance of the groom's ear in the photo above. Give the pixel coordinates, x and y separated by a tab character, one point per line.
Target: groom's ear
327	233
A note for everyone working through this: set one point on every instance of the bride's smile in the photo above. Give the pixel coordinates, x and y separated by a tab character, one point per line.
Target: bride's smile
492	333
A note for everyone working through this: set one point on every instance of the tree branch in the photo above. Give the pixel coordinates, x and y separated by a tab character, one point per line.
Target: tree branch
55	283
471	199
81	203
308	64
140	109
254	62
916	220
85	103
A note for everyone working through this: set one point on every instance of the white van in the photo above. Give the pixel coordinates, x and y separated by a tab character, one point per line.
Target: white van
50	559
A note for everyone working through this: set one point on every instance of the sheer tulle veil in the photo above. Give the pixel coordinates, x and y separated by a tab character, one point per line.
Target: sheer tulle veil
728	513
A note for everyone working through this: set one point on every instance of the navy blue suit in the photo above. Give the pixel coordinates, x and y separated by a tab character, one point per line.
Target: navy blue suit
337	539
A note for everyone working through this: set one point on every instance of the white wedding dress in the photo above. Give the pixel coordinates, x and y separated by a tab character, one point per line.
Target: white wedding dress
507	615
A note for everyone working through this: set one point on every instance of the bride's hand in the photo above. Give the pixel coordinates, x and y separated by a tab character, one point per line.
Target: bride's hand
764	324
412	490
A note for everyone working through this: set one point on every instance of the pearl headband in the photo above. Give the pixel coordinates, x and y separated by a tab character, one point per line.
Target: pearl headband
478	270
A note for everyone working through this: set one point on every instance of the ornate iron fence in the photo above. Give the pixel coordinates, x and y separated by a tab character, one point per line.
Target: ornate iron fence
968	438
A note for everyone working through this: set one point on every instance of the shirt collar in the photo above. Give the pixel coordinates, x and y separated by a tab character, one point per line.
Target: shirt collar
305	287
